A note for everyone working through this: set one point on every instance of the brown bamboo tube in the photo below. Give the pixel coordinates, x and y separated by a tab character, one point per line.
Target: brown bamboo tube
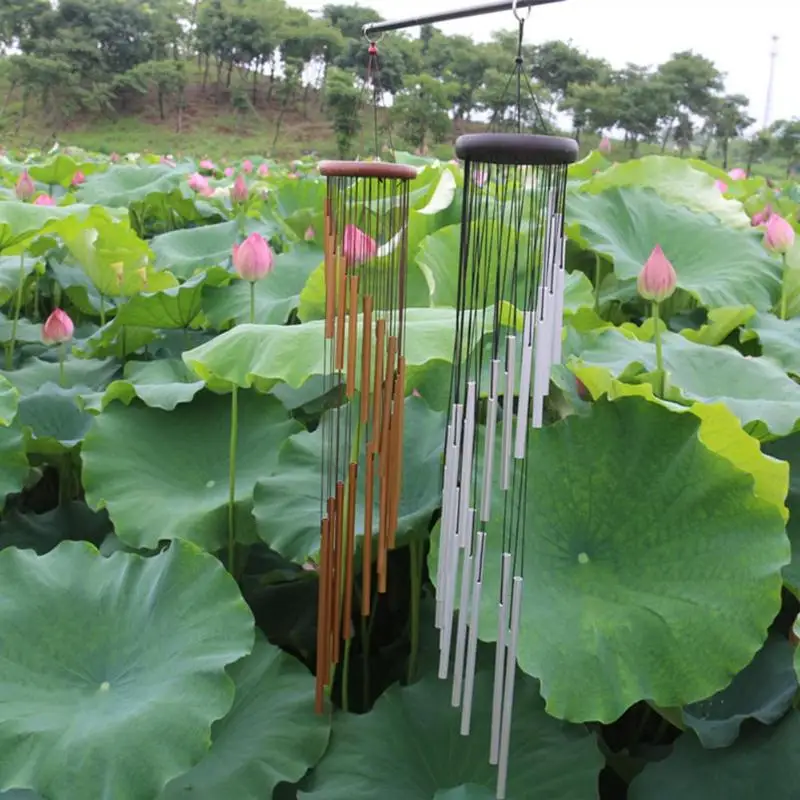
341	308
366	356
337	586
349	568
386	399
366	547
396	462
322	634
380	329
352	337
382	552
329	583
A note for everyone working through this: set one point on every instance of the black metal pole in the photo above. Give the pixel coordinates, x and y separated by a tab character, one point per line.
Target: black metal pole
446	16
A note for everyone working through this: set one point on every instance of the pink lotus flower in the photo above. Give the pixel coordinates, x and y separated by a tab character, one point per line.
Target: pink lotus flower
761	217
199	184
253	258
657	280
24	188
239	190
44	200
207	164
779	235
78	178
263	170
737	174
113	158
721	186
228	172
58	328
605	145
357	246
309	234
247	166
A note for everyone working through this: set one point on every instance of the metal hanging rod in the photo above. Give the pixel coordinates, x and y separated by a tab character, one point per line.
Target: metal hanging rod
446	16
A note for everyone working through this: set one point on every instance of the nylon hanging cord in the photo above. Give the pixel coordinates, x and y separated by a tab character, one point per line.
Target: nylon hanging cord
518	67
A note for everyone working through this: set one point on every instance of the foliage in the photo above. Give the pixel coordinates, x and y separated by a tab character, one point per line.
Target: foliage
662	542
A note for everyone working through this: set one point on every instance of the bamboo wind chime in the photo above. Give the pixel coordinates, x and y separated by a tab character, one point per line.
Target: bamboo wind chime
512	255
365	250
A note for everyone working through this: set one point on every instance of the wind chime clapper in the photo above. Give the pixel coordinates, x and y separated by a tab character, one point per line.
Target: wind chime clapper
365	264
511	255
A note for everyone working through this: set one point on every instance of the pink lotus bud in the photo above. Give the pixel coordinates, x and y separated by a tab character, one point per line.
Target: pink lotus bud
114	157
761	217
239	190
263	170
253	259
357	246
58	328
737	174
605	145
779	235
721	186
44	200
228	172
415	393
309	234
657	280
207	164
198	183
78	178
24	188
247	166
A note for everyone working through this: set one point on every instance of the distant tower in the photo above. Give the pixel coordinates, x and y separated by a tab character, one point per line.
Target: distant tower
772	57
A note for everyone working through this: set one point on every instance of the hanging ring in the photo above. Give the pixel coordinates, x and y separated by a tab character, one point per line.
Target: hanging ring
515	12
371	39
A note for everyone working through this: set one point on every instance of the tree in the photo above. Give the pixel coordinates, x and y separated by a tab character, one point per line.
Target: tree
730	120
786	136
644	100
344	105
594	106
421	110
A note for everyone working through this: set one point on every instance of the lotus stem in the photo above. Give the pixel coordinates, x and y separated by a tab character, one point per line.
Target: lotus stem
62	357
17	307
232	480
659	354
252	302
784	295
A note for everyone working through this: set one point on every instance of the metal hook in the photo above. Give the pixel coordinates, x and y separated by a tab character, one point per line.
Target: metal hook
365	32
514	11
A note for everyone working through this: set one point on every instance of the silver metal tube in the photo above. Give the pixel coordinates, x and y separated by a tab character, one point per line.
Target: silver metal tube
508	410
503	609
472	642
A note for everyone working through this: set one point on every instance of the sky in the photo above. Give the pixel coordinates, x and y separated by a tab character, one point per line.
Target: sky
736	35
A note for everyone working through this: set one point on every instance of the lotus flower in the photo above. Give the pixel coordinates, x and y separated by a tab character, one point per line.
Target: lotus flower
779	235
253	259
309	234
58	328
207	164
357	246
761	217
605	145
44	200
239	190
228	172
24	188
263	170
657	280
199	184
78	178
247	166
721	186
114	157
737	174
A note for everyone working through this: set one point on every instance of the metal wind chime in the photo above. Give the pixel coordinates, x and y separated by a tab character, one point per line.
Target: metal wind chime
365	259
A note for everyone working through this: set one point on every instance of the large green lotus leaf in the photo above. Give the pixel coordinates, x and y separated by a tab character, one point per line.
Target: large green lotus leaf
116	340
9	401
175	307
113	668
60	170
12	268
755	389
185	251
179	460
286	504
764	762
160	384
276	296
662	593
720	324
89	373
674	180
271	734
263	355
120	185
26	333
762	691
409	747
53	419
718	265
779	339
13	462
20	222
583	170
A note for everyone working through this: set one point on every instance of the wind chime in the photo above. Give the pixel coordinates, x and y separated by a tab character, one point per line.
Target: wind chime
365	259
511	263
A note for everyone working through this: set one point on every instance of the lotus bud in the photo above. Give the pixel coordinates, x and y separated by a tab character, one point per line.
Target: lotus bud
247	166
761	217
58	328
415	393
357	246
199	184
44	200
605	146
228	172
239	190
24	188
207	164
722	187
253	258
263	170
114	158
657	280
737	174
309	234
78	178
779	235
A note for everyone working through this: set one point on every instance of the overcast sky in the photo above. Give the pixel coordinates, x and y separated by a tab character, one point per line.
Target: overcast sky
736	35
